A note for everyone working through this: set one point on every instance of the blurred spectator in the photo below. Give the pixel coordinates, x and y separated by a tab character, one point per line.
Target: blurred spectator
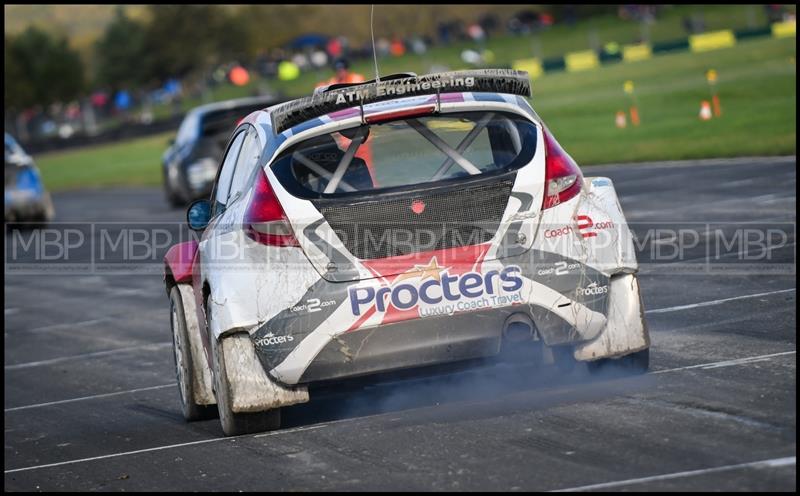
639	13
449	31
266	66
218	76
775	12
528	21
443	32
288	70
694	24
471	57
173	87
300	60
334	47
122	100
99	99
488	22
73	111
418	45
343	74
397	48
382	47
319	59
239	76
476	32
174	93
570	14
457	28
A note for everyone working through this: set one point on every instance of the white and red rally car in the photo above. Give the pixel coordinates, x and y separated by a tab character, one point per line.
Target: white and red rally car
393	224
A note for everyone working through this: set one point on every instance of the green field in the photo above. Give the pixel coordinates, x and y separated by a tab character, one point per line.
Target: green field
130	163
555	41
757	89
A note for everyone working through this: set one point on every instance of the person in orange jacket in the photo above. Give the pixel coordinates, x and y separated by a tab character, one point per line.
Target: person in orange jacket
343	75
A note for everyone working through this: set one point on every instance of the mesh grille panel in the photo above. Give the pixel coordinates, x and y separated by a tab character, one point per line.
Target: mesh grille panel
418	223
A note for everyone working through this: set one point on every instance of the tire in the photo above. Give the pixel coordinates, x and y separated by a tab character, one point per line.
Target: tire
184	366
173	197
633	364
235	424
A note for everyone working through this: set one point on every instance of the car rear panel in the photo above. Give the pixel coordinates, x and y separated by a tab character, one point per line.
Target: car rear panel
433	218
441	295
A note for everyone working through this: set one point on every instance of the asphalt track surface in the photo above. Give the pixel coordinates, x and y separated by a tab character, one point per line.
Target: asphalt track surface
90	401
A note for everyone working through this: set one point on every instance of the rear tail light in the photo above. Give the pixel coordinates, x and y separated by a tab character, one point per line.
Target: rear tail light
265	221
562	176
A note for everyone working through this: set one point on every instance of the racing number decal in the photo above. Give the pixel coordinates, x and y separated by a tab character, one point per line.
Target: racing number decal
313	305
585	222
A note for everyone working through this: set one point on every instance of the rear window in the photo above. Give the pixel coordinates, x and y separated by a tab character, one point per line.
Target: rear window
224	121
407	152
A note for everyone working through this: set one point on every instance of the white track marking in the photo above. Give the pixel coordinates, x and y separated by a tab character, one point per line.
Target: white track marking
51	361
711	365
741	361
715	302
159	448
772	463
296	429
727	363
105	395
67	325
673	164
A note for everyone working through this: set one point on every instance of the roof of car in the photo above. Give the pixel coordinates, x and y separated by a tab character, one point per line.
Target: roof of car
249	101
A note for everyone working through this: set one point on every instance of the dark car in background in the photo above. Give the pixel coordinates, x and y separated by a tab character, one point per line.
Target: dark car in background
26	199
190	163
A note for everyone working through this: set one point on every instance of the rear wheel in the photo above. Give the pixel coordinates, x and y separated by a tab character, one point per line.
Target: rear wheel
635	363
173	197
184	367
233	423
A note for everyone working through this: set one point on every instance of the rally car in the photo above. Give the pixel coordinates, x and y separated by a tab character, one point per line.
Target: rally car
393	224
189	165
26	199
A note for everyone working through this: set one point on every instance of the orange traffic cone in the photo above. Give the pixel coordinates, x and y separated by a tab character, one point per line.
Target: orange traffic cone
705	110
634	116
621	120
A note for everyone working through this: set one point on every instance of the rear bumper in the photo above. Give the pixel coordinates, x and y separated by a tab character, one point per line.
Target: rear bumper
418	342
410	343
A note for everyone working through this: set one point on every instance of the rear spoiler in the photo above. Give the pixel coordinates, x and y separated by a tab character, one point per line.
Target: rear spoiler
484	81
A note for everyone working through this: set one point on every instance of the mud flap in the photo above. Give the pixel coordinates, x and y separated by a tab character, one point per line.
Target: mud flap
250	388
626	329
203	392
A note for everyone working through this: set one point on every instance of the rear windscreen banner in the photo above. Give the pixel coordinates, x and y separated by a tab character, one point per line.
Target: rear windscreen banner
485	81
